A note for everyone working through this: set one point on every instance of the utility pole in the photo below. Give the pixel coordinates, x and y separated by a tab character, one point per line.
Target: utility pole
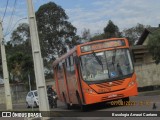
38	62
5	71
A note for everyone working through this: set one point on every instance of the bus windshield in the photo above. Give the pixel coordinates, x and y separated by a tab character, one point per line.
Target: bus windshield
114	63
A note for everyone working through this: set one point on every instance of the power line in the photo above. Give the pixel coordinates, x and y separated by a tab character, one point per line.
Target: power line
14	26
5	10
11	18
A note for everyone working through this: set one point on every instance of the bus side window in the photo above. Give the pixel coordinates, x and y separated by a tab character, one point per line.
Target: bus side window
55	70
66	61
68	64
59	71
71	58
72	65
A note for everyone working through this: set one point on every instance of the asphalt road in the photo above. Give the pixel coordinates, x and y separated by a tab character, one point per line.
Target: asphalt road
141	103
138	103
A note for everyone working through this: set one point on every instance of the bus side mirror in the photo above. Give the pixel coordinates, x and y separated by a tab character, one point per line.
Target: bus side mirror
76	60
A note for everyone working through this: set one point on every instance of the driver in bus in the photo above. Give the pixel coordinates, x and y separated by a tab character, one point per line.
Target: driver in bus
123	65
90	68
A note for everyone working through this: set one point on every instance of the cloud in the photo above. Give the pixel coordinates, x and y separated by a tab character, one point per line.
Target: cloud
124	13
95	27
95	14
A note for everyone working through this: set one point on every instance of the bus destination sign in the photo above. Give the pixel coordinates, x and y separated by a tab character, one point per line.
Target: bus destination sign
102	45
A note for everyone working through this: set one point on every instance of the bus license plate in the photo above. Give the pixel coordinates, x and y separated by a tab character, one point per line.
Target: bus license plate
113	95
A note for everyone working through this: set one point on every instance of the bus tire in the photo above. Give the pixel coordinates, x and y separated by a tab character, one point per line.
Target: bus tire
125	99
66	104
82	107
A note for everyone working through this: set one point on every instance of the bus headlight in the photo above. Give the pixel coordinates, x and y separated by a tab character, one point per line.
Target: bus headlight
131	83
90	91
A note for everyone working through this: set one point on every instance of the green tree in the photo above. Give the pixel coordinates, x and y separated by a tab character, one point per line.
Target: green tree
19	55
20	40
134	33
75	40
20	65
111	30
86	35
98	37
53	29
154	45
21	34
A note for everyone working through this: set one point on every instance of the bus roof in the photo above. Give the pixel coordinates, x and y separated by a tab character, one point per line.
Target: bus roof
96	41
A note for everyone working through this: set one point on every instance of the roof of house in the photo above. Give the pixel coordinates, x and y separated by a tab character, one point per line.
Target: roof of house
143	37
145	33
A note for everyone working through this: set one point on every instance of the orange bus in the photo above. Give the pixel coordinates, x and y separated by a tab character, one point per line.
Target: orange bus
94	72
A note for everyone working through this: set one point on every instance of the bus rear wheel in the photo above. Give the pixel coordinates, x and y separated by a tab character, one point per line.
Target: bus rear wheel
66	104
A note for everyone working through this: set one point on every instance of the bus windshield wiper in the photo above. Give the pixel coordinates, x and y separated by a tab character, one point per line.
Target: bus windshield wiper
98	60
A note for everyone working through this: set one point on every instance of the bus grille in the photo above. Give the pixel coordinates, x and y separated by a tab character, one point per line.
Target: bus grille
110	84
111	98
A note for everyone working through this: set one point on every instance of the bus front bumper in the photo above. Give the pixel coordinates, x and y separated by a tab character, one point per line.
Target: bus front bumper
91	98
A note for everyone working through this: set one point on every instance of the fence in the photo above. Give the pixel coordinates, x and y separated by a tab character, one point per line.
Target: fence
18	93
148	74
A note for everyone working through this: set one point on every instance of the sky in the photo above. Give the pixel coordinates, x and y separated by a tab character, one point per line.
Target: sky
89	14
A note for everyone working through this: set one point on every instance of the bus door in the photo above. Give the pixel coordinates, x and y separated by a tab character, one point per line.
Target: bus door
66	95
71	79
79	84
61	80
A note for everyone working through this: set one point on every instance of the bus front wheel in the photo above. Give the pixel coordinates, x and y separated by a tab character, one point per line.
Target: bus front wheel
82	107
125	99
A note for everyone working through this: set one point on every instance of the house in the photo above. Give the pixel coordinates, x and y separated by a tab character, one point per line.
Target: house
148	73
